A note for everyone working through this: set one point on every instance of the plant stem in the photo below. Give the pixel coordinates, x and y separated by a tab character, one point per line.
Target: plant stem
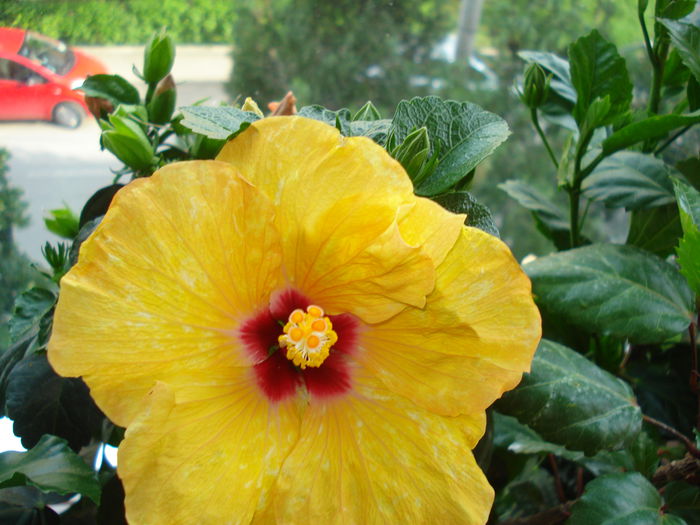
557	479
688	444
692	332
647	40
536	123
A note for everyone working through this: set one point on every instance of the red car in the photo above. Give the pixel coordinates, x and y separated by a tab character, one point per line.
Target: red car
37	77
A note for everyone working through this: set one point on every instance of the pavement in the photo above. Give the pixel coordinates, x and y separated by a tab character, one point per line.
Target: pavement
55	166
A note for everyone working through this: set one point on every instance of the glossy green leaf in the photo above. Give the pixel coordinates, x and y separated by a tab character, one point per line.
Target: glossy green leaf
530	491
221	122
111	87
630	180
686	38
374	129
30	307
618	499
678	9
550	219
463	134
478	215
614	290
26	506
650	128
570	401
520	439
689	258
639	455
656	230
598	71
689	247
50	466
41	402
688	203
683	500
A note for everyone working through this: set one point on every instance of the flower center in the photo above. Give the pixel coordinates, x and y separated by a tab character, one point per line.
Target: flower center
308	337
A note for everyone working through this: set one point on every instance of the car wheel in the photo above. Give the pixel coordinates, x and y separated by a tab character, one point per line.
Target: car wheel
68	115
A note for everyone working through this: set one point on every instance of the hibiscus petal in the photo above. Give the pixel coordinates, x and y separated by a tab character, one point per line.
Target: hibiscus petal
374	457
430	226
178	261
472	341
208	461
338	199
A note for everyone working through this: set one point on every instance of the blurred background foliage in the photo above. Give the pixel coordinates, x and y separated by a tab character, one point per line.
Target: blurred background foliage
343	53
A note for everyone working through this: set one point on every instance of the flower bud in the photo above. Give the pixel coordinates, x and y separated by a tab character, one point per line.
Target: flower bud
413	152
128	142
535	87
162	105
158	57
99	107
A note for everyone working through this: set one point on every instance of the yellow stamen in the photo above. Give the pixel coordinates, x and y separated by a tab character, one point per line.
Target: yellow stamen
308	337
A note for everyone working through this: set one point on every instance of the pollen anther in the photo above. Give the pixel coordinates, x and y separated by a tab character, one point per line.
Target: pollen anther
308	337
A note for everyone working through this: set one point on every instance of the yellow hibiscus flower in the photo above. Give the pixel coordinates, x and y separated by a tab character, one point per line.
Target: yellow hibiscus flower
290	336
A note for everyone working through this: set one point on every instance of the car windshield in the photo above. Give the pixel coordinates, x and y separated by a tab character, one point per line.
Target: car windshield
52	54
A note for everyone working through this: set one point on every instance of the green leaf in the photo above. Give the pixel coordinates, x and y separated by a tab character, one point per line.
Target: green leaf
640	455
223	122
631	180
111	87
614	290
689	248
619	499
30	307
689	258
530	491
598	71
463	134
41	402
512	435
26	506
686	38
678	9
650	128
478	215
559	67
656	230
570	401
8	359
683	500
50	466
98	203
550	219
63	222
376	130
688	203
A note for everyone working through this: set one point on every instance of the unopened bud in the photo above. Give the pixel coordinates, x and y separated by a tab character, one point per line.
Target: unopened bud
252	106
162	105
99	107
158	57
535	86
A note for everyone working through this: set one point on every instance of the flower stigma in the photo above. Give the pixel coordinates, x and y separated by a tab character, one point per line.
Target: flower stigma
308	337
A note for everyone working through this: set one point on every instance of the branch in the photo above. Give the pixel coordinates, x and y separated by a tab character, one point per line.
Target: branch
689	445
686	469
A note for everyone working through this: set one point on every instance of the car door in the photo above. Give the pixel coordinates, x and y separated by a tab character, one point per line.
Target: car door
25	94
